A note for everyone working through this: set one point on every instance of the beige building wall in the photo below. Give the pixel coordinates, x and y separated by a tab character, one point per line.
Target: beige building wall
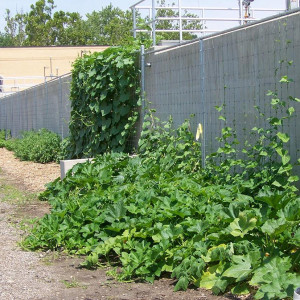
22	67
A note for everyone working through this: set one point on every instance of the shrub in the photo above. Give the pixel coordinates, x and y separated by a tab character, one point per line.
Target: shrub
2	135
6	141
41	146
10	144
2	138
64	152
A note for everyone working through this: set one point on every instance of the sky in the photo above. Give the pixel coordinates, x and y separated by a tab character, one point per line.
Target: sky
87	6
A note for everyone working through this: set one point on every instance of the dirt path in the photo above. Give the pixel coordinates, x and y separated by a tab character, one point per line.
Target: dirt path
27	275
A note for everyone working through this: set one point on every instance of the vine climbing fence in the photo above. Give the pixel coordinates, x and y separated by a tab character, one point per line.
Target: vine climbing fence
235	69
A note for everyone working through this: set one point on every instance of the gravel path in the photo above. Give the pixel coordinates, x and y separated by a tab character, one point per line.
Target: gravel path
32	176
22	276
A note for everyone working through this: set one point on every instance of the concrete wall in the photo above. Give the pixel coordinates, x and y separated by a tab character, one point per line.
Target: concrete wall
31	61
235	68
44	106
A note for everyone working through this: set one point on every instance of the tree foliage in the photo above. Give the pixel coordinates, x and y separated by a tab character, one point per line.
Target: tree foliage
6	40
38	23
111	26
14	30
43	26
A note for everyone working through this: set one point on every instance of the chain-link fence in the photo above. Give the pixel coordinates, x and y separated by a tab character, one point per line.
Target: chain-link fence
43	106
236	69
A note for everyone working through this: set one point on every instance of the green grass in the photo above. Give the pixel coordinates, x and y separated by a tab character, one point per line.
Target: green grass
72	284
10	193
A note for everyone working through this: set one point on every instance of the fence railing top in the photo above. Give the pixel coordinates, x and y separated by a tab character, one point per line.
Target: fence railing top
246	15
34	86
237	28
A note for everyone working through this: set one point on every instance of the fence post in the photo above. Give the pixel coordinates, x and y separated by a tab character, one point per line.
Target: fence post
142	62
61	109
202	82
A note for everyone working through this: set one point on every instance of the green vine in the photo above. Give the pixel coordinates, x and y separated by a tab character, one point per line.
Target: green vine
104	96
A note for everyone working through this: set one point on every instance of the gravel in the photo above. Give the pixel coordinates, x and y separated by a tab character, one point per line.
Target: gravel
22	276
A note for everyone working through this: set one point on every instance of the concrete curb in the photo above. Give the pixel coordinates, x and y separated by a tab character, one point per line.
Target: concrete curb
66	165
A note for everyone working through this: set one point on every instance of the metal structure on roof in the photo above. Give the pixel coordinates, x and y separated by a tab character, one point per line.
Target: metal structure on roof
204	16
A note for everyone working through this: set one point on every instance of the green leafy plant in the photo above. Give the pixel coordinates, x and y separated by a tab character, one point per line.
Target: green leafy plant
2	138
104	95
231	226
6	141
39	146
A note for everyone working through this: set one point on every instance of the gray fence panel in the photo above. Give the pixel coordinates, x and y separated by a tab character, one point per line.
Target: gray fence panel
173	82
235	69
43	106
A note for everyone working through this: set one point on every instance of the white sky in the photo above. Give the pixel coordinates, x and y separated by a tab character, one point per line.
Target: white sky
87	6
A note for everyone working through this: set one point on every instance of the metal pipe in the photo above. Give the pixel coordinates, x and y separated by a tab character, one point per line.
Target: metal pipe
213	8
134	5
193	8
143	79
202	85
180	21
241	11
51	66
153	24
218	33
183	30
152	15
200	18
134	22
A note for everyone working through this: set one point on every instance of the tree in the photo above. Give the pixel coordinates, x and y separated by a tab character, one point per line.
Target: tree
38	23
14	30
110	26
6	40
69	29
42	27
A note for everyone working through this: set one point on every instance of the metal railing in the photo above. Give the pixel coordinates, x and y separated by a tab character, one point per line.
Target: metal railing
10	85
243	16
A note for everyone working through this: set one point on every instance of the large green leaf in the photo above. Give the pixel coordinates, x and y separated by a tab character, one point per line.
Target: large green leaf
276	199
240	269
275	226
271	265
283	136
242	225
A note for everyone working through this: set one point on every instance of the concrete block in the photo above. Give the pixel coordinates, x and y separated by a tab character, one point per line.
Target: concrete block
66	165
